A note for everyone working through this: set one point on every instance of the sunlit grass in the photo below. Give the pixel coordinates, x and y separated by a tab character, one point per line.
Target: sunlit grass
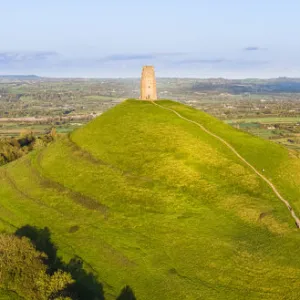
163	207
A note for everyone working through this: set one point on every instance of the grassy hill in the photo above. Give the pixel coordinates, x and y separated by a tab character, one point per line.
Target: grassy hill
149	200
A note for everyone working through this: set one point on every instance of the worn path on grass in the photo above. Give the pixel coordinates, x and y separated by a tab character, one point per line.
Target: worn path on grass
271	185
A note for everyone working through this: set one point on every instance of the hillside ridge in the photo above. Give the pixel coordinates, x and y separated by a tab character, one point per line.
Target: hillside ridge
147	199
287	204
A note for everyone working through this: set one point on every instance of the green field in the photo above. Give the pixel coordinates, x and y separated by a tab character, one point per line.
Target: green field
163	207
16	129
266	120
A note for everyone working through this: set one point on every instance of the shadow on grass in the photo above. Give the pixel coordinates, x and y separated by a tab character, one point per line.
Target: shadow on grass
85	284
127	294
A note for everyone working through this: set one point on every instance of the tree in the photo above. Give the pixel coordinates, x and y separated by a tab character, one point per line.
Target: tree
23	270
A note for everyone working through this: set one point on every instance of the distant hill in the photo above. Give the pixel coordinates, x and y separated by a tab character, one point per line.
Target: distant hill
152	201
253	86
19	77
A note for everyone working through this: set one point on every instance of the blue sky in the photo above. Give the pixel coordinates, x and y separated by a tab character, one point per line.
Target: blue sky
115	38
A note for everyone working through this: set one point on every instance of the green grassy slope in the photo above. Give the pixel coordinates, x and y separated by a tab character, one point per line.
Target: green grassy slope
163	207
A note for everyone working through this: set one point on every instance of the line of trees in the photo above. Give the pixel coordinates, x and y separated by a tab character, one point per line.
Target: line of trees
14	148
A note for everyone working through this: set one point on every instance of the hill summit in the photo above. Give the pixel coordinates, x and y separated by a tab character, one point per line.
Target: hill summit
150	200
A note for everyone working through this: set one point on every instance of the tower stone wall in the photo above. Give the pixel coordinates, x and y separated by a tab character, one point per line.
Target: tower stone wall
148	84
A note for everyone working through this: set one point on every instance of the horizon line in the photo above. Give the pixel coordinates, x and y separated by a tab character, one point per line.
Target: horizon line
157	77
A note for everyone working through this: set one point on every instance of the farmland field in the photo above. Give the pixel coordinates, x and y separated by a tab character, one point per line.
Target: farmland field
270	120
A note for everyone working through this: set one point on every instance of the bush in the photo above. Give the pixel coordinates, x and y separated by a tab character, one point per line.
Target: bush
13	148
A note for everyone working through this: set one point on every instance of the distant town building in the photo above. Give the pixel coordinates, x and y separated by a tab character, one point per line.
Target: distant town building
148	84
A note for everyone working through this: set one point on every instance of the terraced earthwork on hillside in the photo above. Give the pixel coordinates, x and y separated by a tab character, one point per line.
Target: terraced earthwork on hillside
150	200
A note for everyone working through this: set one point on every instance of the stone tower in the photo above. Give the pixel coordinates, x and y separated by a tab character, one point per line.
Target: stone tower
148	84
